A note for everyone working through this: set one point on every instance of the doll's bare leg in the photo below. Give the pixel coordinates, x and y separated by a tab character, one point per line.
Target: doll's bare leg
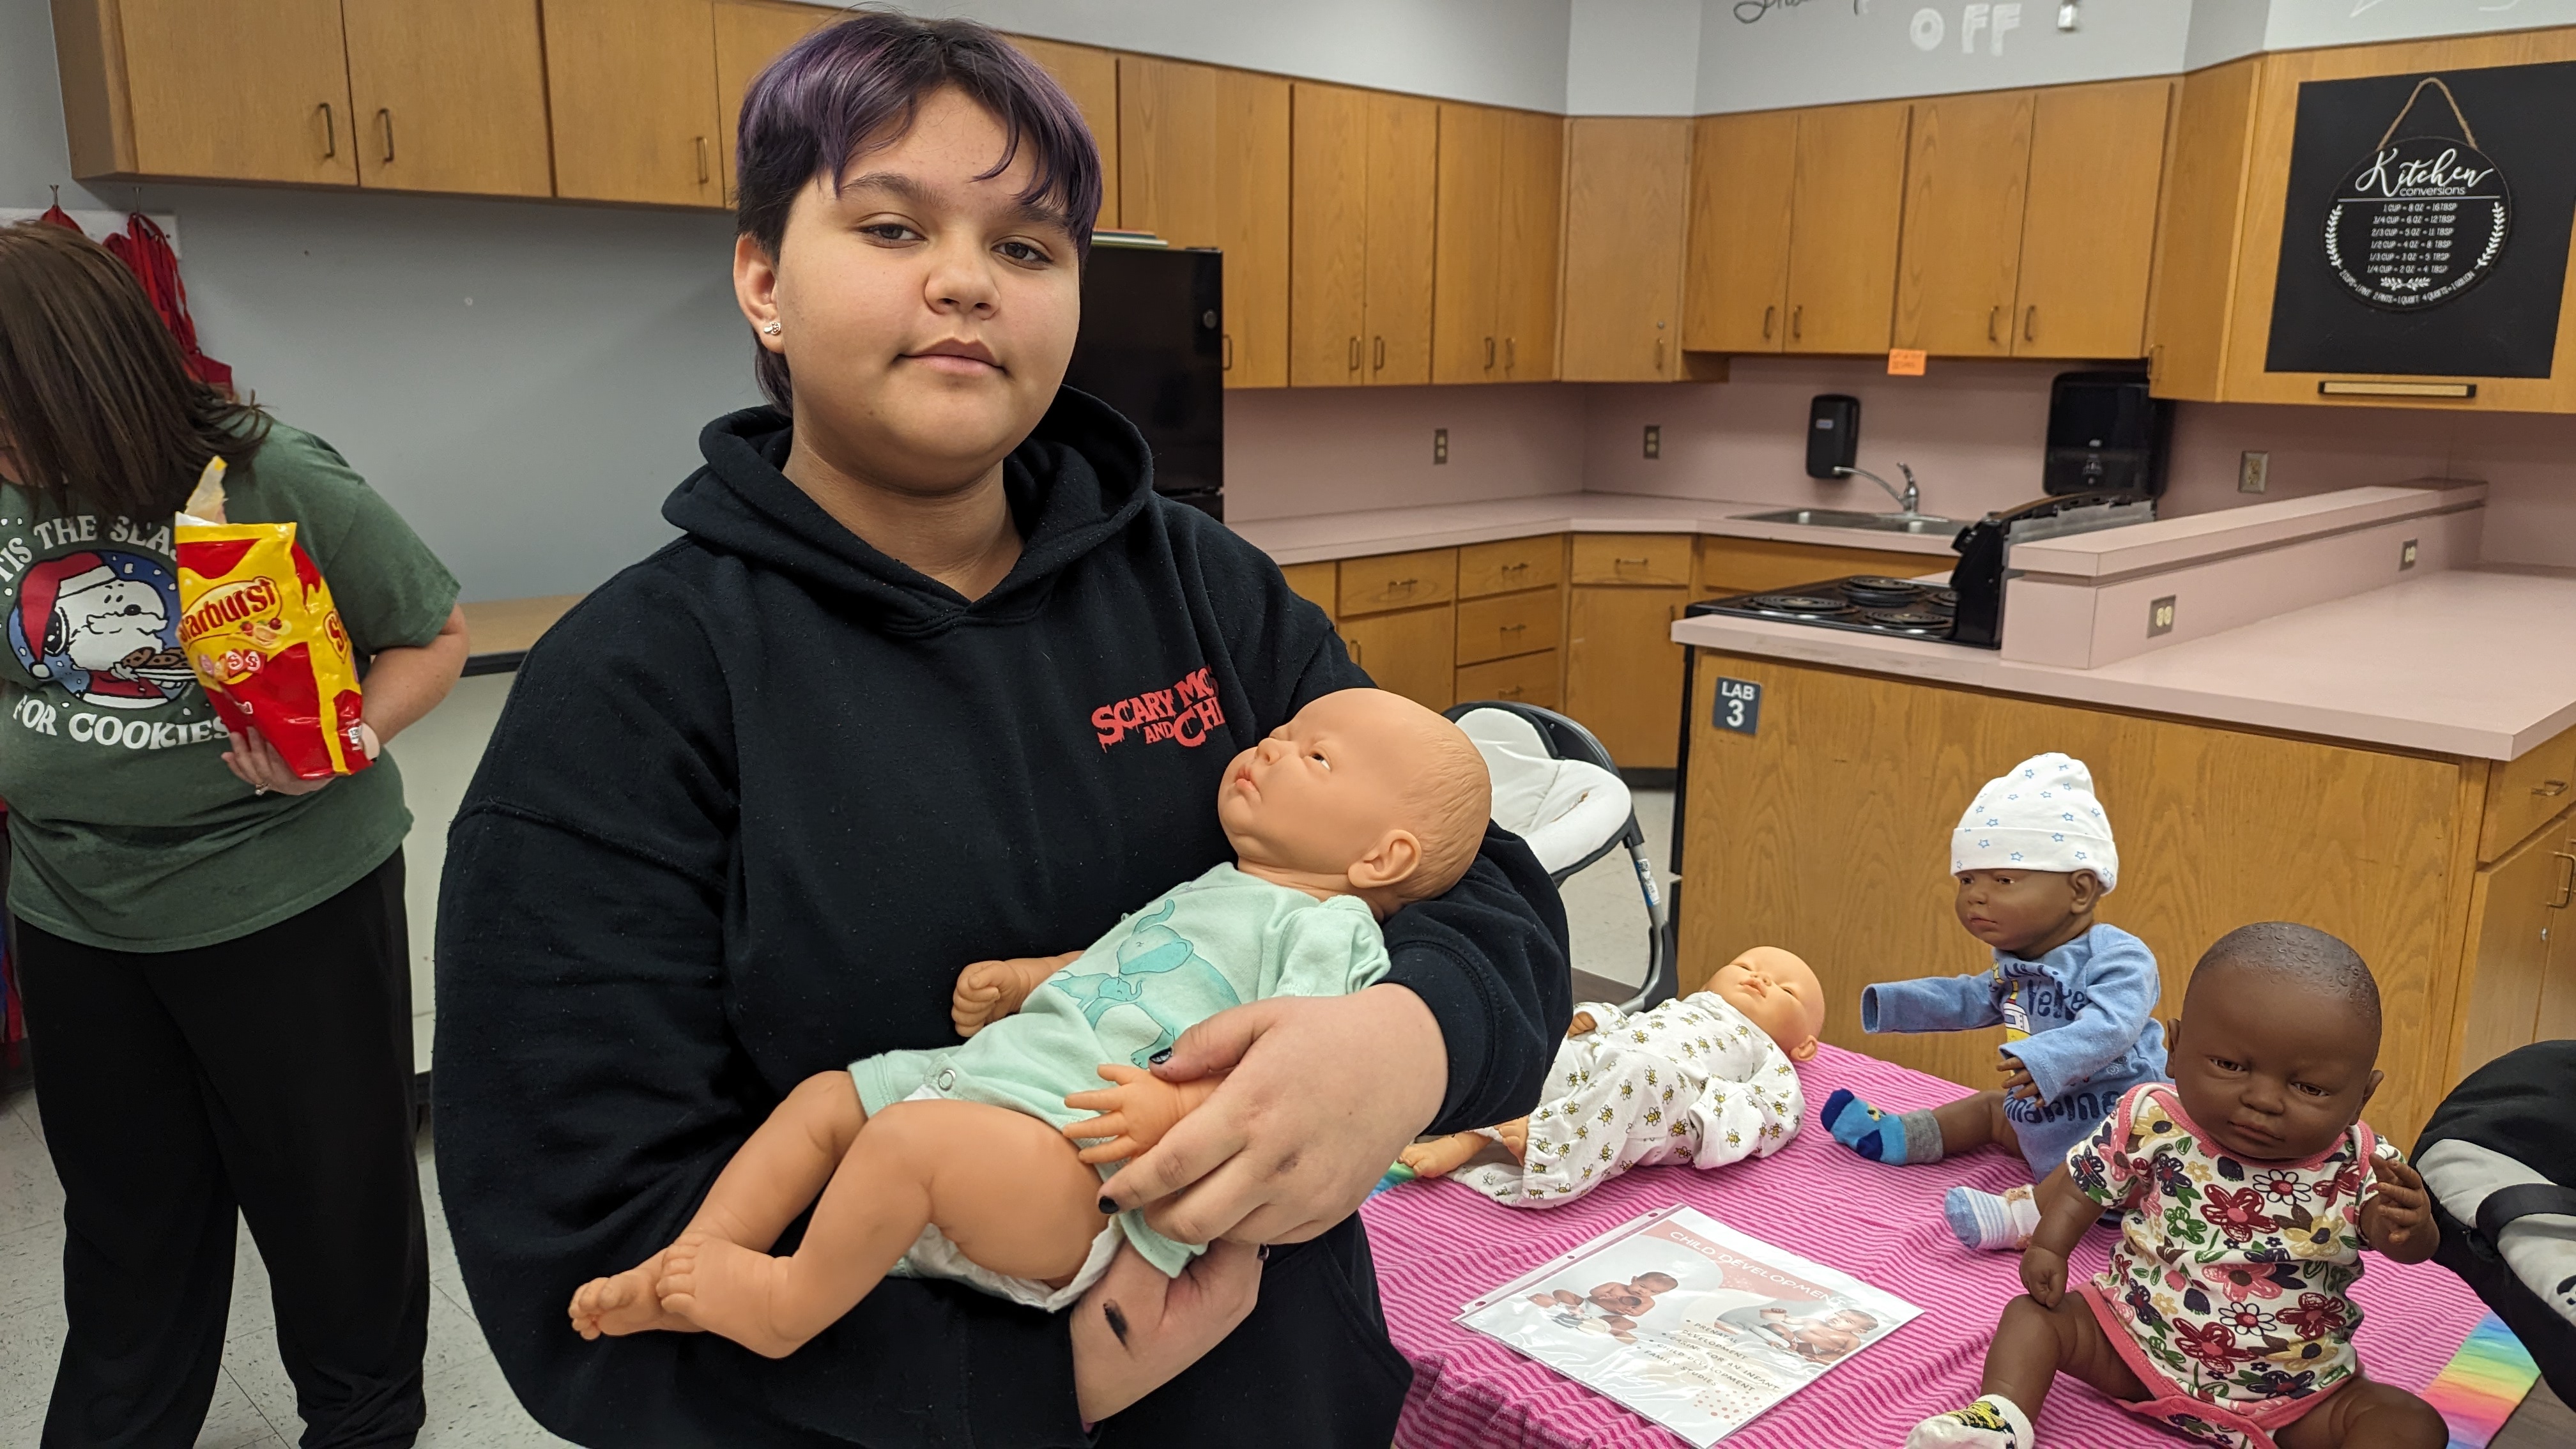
2032	1346
2367	1414
1441	1156
1975	1121
1008	1191
774	1176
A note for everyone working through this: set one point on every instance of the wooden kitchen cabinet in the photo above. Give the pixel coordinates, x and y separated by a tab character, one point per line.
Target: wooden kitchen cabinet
1967	162
632	87
2522	793
1508	624
1397	581
1511	564
749	34
1523	679
1466	321
1631	558
1408	652
1203	160
449	97
1313	582
1362	192
2521	945
182	89
1627	192
2197	221
2097	162
1826	833
1744	170
1532	217
1090	76
1753	565
1623	673
1847	209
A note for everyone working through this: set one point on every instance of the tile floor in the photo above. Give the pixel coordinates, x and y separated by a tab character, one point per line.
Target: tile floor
470	1407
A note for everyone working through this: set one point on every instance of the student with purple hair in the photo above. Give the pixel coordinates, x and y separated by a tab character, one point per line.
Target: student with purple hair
886	709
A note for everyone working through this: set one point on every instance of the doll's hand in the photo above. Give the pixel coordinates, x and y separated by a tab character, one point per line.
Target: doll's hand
1284	1148
1581	1025
1134	1115
1135	1330
2397	1217
2017	1081
990	990
2043	1274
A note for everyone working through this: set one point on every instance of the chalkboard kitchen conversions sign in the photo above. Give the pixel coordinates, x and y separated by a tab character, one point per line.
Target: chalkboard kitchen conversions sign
2427	224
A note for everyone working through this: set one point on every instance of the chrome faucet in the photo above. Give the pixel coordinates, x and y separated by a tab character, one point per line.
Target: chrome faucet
1905	501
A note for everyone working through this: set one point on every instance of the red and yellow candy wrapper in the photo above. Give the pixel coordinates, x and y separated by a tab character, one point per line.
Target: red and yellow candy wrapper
258	627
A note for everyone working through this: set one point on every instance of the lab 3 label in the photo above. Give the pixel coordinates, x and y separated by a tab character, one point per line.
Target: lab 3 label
1738	706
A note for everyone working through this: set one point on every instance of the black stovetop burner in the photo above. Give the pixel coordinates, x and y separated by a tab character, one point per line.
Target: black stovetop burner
1867	603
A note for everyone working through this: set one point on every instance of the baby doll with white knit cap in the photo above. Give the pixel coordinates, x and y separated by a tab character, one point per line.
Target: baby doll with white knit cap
2076	998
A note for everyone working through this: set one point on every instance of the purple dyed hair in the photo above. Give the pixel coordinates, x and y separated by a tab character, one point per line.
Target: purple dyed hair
856	84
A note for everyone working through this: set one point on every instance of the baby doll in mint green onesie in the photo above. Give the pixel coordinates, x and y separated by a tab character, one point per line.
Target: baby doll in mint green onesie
965	1162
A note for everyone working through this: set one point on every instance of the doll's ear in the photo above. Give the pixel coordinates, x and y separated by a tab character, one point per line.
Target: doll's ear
1397	856
1803	1051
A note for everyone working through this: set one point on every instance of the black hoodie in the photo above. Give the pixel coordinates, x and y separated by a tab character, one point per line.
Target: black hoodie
750	808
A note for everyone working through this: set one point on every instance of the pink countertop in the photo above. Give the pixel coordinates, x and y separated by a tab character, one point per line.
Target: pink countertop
1393	530
2475	662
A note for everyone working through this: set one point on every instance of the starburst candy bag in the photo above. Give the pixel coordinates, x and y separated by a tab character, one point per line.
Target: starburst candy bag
258	627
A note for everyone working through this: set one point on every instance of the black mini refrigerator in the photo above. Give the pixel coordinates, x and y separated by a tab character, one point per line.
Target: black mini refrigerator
1150	347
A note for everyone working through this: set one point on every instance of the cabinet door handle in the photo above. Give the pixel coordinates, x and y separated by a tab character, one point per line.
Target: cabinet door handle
1798	322
1510	354
1514	692
1991	314
1514	628
1768	313
2030	324
385	118
1355	649
1628	561
2566	882
1659	354
330	132
1225	344
2550	789
702	160
1354	363
1380	364
1489	352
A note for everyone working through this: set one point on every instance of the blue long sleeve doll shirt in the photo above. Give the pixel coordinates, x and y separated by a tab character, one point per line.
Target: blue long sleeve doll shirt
2089	1011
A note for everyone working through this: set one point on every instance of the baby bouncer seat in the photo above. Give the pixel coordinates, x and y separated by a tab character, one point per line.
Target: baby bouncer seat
1556	788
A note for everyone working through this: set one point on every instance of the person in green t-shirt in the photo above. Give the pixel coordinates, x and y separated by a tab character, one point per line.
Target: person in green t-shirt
213	953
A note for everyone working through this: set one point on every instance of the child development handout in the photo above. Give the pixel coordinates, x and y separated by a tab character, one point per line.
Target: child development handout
1687	1321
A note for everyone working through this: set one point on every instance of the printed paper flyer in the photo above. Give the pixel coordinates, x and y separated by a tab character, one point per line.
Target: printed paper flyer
1687	1321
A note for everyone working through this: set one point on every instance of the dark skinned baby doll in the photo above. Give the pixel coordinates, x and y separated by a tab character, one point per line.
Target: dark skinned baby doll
2033	857
2247	1189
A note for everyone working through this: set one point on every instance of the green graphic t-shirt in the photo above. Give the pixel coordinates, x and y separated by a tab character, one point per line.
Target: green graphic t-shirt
126	830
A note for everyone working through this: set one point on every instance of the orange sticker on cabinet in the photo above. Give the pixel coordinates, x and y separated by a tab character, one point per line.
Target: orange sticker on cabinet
1904	362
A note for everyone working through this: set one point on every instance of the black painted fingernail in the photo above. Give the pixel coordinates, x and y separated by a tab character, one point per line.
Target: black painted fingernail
1117	1320
1160	1057
1262	1252
1108	1207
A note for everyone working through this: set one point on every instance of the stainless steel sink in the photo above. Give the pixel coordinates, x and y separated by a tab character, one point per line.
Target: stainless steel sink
1853	518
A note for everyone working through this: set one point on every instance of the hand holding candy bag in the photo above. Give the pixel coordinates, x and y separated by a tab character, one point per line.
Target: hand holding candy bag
257	624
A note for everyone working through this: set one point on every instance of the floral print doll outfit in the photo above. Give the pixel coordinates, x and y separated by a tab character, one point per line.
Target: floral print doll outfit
2226	1293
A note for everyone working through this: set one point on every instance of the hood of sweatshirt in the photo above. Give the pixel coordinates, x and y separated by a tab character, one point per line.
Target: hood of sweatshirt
1078	479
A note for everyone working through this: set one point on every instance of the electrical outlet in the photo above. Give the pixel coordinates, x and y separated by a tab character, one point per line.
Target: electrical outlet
2160	616
2406	555
1654	441
1439	445
2251	471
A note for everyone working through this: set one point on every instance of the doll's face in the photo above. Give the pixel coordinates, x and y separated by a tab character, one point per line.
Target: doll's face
2271	1073
1778	991
2027	913
1327	794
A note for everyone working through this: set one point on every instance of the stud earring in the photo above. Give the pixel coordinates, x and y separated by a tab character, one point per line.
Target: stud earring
772	327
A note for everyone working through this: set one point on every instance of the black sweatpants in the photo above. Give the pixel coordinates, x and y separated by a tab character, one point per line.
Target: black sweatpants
270	1073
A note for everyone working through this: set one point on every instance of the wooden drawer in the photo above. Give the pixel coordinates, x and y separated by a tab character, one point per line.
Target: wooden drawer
1397	581
1749	565
1529	679
1514	563
1313	582
1508	624
1632	558
2523	793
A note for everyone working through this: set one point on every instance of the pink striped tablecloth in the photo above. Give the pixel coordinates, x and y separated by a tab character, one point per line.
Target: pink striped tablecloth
1439	1243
